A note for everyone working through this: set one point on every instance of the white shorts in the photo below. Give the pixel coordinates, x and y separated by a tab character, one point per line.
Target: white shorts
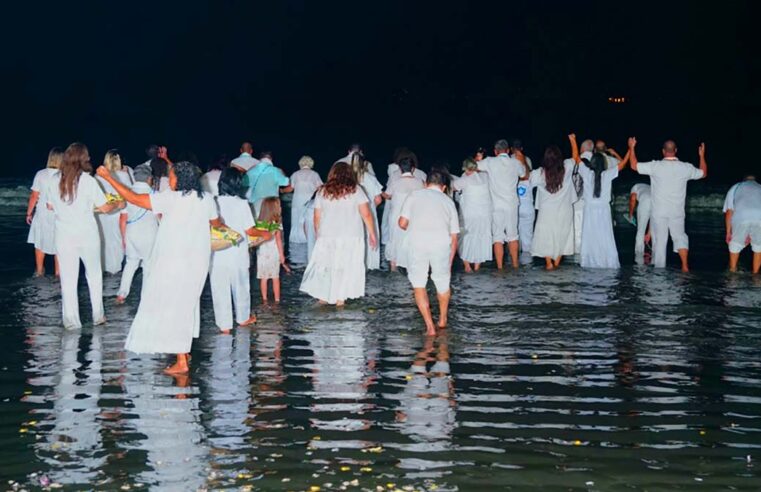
433	259
504	225
741	233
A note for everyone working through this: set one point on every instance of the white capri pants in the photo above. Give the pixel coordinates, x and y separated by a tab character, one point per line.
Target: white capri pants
741	233
661	228
227	280
504	225
643	218
526	217
433	259
72	249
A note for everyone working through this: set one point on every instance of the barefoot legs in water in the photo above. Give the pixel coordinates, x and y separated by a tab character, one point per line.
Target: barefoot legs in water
179	367
512	247
466	265
444	308
683	253
424	306
39	263
249	321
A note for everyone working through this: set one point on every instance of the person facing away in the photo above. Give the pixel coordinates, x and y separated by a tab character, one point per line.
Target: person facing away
210	180
356	149
393	173
245	161
138	228
612	157
640	199
264	181
475	245
586	148
526	211
430	218
668	182
229	268
395	194
504	173
742	212
374	191
112	244
74	196
41	221
270	255
305	182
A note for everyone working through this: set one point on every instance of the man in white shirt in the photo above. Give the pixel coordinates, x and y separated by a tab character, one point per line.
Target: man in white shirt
668	183
504	173
742	213
244	162
640	198
432	224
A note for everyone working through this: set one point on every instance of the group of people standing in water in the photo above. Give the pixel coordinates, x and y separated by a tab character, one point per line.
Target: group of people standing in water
159	216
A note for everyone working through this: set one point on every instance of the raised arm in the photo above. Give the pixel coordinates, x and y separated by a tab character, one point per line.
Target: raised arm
632	154
522	159
367	218
574	148
142	200
622	162
703	163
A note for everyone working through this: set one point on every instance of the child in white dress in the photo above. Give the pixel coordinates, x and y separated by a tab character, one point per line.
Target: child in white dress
270	255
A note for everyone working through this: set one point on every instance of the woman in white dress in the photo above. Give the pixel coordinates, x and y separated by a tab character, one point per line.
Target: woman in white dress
374	190
598	245
168	318
305	182
75	197
41	221
475	208
397	192
112	246
393	173
210	180
336	271
553	233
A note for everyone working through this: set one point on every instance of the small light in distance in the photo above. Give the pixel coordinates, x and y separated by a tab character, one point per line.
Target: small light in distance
617	100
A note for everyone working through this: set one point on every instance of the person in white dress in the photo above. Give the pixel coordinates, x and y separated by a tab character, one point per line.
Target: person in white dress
374	191
138	227
210	180
598	244
229	268
668	182
270	255
74	197
394	173
587	146
304	182
640	199
475	246
336	270
504	173
41	221
112	247
430	218
168	317
553	233
395	194
309	226
742	213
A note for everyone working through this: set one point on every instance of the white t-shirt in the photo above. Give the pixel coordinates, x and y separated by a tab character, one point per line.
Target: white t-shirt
668	185
642	190
40	185
744	199
371	185
525	188
340	218
504	173
395	173
134	212
210	182
245	161
432	218
305	182
121	176
78	216
236	214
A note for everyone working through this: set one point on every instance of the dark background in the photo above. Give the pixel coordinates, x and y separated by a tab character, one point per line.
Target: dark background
301	77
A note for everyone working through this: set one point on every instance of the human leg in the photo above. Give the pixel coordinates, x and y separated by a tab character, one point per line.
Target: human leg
263	289
276	289
680	240
499	255
181	366
499	235
39	262
512	247
511	234
128	273
424	306
660	235
68	260
241	290
94	275
220	297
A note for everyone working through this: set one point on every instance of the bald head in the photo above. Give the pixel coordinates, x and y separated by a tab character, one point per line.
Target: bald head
669	148
587	146
247	148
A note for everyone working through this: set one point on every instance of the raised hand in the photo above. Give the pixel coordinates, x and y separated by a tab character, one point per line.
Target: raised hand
632	142
702	149
572	137
103	172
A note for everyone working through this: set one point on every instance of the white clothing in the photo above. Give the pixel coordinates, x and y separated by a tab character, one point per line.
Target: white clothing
372	188
660	228
553	234
305	182
644	208
432	220
168	317
526	211
394	173
268	260
77	238
244	161
598	244
142	227
42	230
164	184
668	181
399	189
744	200
228	270
504	173
210	182
309	228
347	160
112	251
336	269
475	244
742	232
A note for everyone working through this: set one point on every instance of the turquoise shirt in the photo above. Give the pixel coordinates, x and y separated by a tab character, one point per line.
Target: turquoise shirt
264	180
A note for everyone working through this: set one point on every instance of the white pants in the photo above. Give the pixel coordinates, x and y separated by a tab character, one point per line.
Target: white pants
504	225
578	220
130	267
661	228
430	258
526	214
742	232
225	281
70	251
643	218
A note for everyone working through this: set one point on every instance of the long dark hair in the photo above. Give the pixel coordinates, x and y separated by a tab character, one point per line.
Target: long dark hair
597	164
231	183
160	169
407	164
341	182
76	160
554	170
188	178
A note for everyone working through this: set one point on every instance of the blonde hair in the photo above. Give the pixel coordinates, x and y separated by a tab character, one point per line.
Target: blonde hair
306	162
55	157
112	161
469	164
270	210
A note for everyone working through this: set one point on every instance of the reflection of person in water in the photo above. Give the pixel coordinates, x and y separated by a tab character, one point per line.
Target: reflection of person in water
427	404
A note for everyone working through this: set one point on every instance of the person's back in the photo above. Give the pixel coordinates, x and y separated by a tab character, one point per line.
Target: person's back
746	202
432	217
606	184
264	181
305	182
340	217
77	214
503	173
668	181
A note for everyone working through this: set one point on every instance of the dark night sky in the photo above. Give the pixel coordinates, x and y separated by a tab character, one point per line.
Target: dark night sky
441	77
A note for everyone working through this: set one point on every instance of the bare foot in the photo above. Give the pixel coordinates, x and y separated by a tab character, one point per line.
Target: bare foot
249	321
38	274
225	332
120	299
430	331
340	303
685	269
177	368
477	267
442	324
466	265
322	303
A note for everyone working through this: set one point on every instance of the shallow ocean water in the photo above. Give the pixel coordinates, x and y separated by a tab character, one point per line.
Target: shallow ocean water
566	380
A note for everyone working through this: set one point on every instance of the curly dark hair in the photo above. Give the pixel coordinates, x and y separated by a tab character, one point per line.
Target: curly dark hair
341	182
554	170
188	178
231	183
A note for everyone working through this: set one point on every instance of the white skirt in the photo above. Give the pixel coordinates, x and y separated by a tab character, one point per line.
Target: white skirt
475	241
598	245
336	270
385	229
553	234
372	256
267	260
42	231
